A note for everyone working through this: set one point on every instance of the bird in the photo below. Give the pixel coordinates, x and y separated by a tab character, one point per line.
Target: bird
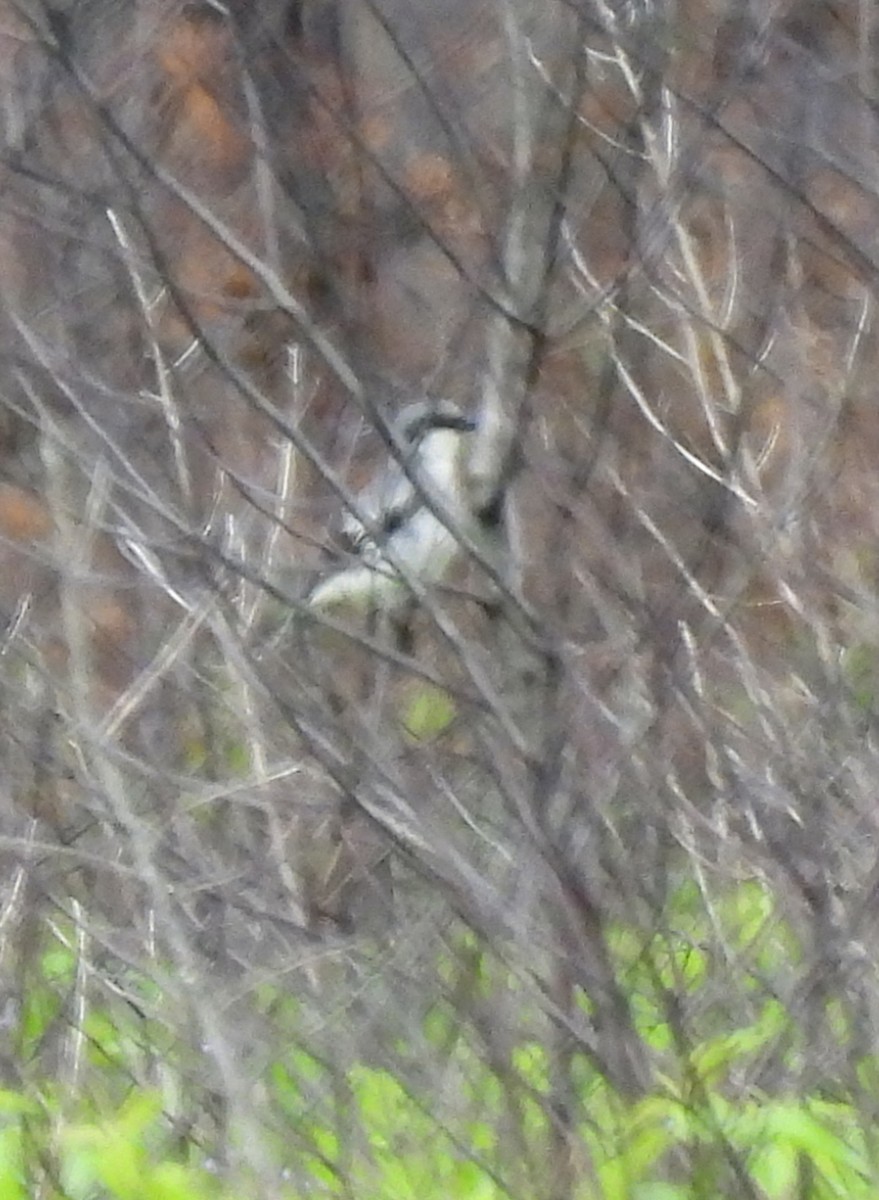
433	439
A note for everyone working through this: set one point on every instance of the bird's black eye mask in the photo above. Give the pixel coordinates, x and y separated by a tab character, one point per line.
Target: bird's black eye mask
439	420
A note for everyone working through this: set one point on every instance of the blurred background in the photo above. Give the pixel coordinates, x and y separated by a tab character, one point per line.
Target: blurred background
570	898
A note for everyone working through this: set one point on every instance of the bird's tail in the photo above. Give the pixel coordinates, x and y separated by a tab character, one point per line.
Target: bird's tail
360	589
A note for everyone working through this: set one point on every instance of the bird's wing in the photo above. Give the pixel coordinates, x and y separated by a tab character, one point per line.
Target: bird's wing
388	504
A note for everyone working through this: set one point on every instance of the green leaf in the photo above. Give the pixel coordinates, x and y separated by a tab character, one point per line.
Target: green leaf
122	1167
530	1060
14	1104
837	1160
138	1113
327	1142
775	1169
397	1180
238	758
469	1182
428	714
12	1183
713	1059
483	1137
661	1191
173	1181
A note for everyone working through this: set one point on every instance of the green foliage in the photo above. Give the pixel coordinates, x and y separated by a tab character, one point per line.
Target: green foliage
451	1120
44	1004
117	1158
428	713
859	669
15	1110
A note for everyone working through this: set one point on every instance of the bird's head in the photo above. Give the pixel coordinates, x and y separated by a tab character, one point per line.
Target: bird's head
414	422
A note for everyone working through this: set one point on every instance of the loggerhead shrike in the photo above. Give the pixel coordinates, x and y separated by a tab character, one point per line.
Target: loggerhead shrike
433	438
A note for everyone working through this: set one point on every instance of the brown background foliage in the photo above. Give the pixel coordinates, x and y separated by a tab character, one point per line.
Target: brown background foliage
226	236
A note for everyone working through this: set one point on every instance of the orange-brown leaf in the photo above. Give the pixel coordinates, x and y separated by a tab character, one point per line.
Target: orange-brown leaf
23	516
